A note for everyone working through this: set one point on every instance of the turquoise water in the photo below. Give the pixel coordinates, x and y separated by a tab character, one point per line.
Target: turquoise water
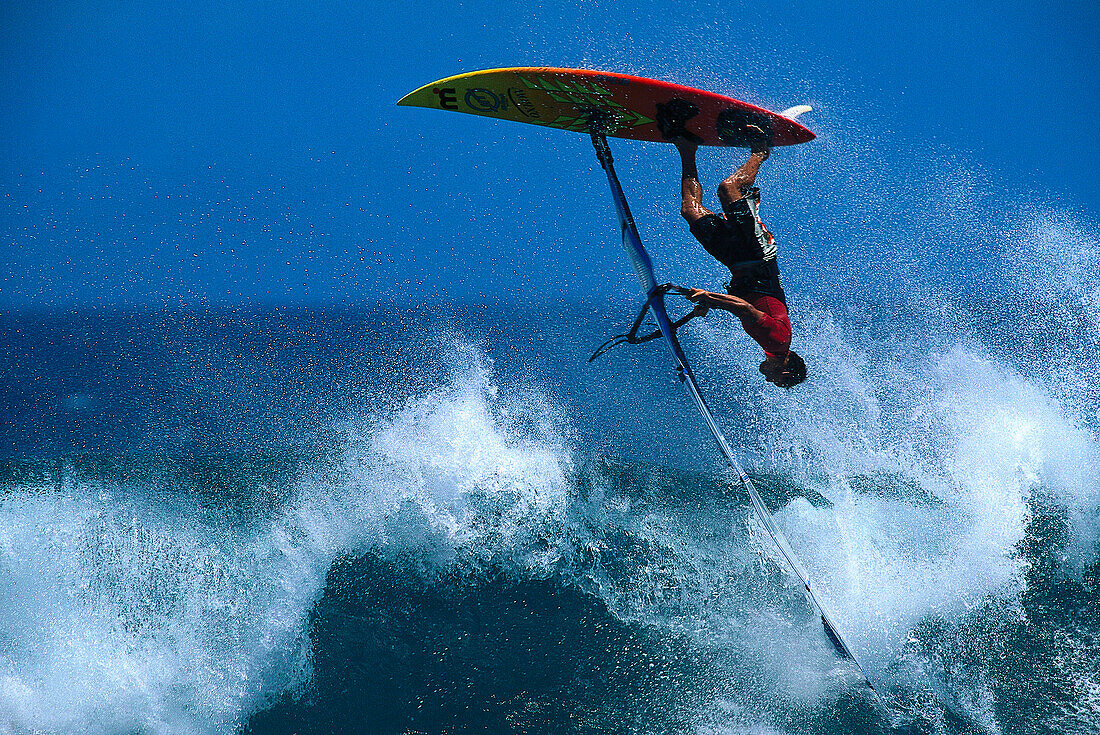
443	519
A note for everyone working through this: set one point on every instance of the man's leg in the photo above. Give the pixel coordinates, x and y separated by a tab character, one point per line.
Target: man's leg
691	191
734	186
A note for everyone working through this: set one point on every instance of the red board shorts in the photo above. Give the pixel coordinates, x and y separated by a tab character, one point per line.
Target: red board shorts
773	332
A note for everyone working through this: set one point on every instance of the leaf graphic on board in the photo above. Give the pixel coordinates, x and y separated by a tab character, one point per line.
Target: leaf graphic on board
585	98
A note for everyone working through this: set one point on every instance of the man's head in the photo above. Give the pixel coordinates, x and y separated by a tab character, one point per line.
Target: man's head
786	372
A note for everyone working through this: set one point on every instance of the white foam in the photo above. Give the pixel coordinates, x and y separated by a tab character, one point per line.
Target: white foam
930	452
123	615
128	610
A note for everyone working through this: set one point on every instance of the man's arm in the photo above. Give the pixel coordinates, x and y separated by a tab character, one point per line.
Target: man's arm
737	306
691	192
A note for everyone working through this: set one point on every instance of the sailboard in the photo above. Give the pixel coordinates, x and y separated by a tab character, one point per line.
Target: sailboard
632	107
586	101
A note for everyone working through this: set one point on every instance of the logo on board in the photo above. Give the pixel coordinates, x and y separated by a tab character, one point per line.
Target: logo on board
522	103
447	99
484	100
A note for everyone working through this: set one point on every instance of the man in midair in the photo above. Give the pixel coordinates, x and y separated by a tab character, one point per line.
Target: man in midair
740	241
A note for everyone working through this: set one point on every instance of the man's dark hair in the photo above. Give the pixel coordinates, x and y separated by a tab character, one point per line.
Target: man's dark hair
794	372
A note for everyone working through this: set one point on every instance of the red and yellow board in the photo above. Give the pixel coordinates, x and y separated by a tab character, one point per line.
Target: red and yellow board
628	106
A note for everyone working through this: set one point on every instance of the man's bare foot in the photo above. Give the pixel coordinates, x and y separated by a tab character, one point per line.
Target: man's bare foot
758	140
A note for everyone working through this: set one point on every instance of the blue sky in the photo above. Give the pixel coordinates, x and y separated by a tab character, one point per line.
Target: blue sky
252	153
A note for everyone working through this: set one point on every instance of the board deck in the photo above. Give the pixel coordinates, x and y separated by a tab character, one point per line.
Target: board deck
631	106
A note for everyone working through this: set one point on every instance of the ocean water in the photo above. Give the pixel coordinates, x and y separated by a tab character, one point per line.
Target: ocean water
218	517
443	519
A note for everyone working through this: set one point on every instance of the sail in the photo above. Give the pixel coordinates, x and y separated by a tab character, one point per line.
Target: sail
643	268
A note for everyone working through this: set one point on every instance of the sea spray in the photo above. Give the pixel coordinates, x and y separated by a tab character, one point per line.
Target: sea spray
938	495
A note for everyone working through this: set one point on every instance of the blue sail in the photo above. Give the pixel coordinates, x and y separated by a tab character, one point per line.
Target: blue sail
643	268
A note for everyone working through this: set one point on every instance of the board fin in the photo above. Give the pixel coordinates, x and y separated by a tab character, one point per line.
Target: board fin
792	113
